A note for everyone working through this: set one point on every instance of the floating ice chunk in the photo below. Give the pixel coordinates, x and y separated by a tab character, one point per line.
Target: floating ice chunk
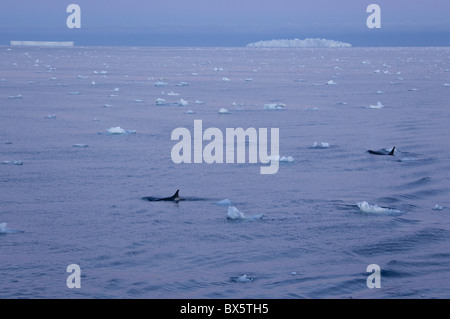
321	145
81	76
6	230
413	90
160	101
437	207
93	83
18	163
331	82
225	79
183	84
15	97
365	207
160	83
341	103
107	105
199	102
218	69
248	79
224	202
116	130
51	116
244	279
312	109
190	112
137	100
234	214
53	79
446	84
377	106
74	93
182	102
116	90
224	111
80	145
379	92
119	131
297	43
274	106
173	94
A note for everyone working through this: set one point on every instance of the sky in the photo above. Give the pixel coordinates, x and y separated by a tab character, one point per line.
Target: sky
226	22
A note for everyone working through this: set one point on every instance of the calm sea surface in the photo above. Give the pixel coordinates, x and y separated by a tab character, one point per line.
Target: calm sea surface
71	192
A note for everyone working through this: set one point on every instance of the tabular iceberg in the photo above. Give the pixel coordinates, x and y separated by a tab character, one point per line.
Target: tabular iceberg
297	43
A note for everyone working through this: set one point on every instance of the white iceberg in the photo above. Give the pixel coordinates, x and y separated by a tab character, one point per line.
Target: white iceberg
50	116
438	207
182	102
331	82
297	43
160	83
224	111
190	112
234	214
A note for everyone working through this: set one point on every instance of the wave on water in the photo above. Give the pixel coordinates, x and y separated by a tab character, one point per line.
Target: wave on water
365	207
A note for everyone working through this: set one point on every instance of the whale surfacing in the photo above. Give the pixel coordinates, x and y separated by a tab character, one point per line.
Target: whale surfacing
174	198
383	152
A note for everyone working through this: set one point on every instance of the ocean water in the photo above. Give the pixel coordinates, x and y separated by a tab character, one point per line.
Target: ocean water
71	193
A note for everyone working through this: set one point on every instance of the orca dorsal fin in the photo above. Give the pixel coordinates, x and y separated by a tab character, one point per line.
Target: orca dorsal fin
392	152
176	194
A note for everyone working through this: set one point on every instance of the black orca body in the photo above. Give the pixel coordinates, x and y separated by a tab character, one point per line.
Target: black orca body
174	198
383	152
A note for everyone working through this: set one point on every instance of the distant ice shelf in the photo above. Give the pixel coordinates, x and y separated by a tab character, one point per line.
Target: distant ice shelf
297	43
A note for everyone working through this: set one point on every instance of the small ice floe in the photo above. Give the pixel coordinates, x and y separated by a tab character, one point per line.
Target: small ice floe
81	76
50	116
413	90
15	97
107	106
446	84
312	109
224	111
282	159
224	202
199	102
2	80
116	90
53	79
341	103
93	83
137	101
18	163
182	84
172	93
365	207
95	119
5	230
225	79
160	101
80	145
234	214
376	106
248	79
274	106
74	93
119	131
160	83
242	279
379	92
438	207
331	82
218	69
182	102
321	145
190	112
